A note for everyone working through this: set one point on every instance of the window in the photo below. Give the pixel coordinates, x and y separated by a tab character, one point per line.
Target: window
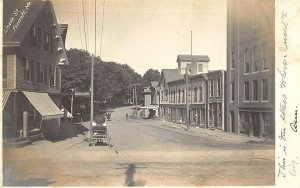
28	70
183	96
4	67
246	61
255	90
53	76
166	95
41	73
246	91
232	91
201	94
179	96
211	88
195	94
266	55
200	68
36	36
255	59
265	89
48	42
219	87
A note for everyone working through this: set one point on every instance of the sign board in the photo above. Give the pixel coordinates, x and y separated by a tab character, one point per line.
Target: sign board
82	93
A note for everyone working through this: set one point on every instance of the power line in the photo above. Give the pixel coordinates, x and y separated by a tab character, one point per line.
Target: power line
148	14
102	27
79	24
84	26
87	28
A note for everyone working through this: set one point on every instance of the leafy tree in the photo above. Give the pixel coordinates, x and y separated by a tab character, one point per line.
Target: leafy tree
150	75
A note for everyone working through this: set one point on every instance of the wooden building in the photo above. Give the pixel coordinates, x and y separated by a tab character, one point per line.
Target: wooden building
33	50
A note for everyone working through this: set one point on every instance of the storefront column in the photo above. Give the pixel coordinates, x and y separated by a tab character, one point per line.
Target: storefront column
250	125
261	125
25	124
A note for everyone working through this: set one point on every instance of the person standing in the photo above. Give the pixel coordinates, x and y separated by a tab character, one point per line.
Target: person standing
126	116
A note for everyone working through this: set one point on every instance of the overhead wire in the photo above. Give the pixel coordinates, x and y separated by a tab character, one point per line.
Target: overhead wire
79	24
102	25
84	24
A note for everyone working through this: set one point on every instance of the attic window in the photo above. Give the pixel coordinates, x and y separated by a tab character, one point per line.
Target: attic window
36	36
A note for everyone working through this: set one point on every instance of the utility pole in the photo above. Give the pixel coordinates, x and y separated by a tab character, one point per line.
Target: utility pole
187	98
135	96
187	86
72	100
92	96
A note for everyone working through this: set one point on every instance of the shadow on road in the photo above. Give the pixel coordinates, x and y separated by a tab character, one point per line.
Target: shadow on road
65	131
130	172
38	182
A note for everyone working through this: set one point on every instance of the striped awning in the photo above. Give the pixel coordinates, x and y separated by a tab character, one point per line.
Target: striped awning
44	105
5	96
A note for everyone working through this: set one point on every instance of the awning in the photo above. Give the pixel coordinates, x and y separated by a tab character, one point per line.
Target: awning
44	105
5	96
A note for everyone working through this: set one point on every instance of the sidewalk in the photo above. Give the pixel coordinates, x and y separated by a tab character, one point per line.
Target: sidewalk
216	134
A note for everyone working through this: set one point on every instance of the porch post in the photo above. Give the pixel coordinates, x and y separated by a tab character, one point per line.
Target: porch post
25	124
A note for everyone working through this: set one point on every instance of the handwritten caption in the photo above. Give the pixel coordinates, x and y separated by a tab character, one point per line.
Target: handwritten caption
287	165
17	17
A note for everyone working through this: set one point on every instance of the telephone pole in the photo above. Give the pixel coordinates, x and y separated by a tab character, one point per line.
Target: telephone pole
135	95
72	100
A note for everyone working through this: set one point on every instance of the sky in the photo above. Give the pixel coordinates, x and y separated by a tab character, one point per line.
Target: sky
147	33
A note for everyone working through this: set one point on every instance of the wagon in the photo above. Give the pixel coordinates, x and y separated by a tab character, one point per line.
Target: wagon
100	134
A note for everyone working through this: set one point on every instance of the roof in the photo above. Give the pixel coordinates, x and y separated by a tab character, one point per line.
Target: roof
18	18
194	58
171	74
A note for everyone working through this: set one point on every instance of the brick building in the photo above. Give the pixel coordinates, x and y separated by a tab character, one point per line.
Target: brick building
33	49
205	97
250	67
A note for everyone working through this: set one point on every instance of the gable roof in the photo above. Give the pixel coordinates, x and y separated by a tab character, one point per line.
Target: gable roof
171	74
18	18
194	58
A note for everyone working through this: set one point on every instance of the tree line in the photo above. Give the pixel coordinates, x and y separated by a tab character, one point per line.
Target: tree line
111	80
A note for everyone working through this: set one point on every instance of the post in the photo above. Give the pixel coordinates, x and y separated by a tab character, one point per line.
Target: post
25	124
135	99
186	98
72	100
92	95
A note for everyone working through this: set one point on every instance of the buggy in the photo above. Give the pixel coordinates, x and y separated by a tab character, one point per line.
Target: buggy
100	134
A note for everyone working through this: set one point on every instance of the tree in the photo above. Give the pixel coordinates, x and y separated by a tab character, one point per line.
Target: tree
111	80
150	75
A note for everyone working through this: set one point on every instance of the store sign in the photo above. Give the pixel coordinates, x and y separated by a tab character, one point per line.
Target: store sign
17	17
82	93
